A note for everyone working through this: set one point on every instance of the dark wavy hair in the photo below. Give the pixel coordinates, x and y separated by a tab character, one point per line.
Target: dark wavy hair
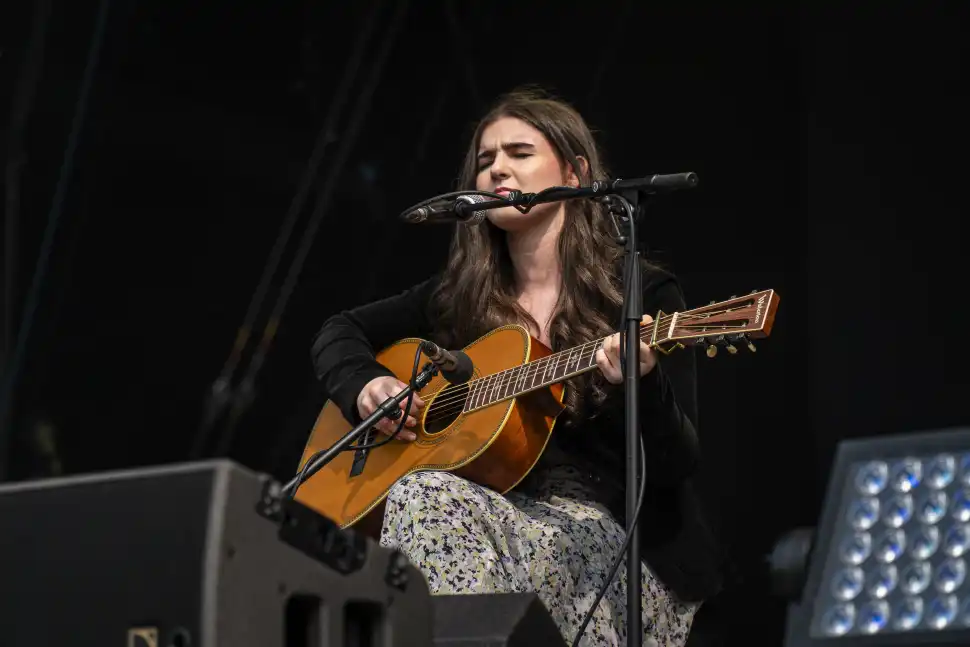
476	292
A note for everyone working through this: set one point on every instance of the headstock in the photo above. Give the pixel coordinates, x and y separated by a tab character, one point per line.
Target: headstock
739	319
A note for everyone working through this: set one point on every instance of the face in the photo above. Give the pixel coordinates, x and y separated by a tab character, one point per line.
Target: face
514	155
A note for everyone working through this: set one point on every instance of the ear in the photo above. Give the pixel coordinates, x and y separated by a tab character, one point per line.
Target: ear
572	179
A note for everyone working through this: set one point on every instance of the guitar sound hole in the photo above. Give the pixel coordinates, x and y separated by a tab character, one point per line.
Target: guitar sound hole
445	409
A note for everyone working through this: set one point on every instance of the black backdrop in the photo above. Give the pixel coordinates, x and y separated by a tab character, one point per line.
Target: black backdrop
829	144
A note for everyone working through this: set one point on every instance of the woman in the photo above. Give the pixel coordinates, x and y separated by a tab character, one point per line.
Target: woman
557	271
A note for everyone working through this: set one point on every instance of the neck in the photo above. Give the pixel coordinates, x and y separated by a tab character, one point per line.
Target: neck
535	254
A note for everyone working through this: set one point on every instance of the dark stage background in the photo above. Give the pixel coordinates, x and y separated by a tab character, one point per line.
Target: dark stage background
830	147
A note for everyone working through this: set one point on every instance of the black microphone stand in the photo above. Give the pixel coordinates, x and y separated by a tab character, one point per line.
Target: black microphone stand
622	208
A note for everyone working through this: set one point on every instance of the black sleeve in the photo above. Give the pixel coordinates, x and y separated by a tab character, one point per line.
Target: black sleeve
668	395
343	351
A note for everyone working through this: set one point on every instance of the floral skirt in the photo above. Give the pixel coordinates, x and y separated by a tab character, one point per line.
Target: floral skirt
545	536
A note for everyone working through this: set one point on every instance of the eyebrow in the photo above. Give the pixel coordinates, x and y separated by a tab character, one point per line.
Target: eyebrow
506	147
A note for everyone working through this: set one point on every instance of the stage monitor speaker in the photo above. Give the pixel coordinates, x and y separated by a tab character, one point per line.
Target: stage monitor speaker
497	620
178	557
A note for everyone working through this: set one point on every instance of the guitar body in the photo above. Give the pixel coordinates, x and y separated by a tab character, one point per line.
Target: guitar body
495	446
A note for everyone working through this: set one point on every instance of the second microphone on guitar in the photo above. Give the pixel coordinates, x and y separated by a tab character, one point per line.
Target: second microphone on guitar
455	366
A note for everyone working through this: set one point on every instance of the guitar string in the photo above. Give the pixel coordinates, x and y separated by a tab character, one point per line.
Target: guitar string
534	368
450	405
541	365
456	404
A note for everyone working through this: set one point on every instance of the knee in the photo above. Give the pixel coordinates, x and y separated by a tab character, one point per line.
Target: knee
421	485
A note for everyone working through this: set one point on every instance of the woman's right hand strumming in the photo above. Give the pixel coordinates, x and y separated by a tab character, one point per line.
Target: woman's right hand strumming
380	389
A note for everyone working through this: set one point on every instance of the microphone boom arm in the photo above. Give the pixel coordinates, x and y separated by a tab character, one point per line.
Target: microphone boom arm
524	202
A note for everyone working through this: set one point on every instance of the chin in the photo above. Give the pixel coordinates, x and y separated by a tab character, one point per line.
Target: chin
510	219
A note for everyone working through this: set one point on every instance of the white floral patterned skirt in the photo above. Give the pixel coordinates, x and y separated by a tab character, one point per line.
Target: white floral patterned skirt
546	537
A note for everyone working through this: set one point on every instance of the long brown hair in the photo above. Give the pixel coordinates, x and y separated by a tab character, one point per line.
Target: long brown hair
476	292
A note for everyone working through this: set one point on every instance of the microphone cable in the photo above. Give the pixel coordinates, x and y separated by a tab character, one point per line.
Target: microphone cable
621	554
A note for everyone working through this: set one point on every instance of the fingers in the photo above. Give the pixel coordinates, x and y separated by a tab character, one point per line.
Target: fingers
608	360
387	426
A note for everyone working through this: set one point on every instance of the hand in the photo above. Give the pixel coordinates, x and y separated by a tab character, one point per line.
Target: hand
380	389
608	357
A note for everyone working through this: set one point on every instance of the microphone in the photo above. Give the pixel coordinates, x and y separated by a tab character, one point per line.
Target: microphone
461	209
456	367
651	183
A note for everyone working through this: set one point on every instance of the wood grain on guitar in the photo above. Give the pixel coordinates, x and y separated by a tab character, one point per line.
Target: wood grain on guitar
492	429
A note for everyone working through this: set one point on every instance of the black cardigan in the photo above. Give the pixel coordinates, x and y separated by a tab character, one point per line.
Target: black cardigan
676	542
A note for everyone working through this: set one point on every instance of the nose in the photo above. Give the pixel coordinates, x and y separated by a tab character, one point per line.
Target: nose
499	167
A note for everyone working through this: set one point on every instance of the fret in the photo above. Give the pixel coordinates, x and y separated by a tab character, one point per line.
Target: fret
570	362
549	375
535	376
591	360
483	392
486	392
555	367
495	388
475	391
496	391
546	363
509	381
520	381
563	361
470	397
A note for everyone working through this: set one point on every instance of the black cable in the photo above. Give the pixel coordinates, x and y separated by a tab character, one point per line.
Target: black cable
53	216
621	554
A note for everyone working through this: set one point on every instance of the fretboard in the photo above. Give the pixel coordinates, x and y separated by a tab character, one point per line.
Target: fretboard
517	381
537	374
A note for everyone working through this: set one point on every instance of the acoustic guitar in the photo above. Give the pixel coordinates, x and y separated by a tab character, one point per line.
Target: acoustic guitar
492	429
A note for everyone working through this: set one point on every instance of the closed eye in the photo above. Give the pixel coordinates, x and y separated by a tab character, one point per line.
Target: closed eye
485	162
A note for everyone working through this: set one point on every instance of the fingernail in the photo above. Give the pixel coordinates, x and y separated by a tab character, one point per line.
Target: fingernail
411	436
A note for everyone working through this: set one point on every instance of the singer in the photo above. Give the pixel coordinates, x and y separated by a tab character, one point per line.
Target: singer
557	271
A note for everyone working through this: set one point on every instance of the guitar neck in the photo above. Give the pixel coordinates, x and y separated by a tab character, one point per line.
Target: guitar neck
718	323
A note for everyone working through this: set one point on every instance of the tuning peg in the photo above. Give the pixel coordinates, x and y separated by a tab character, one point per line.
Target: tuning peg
712	302
723	341
734	296
708	347
743	337
754	292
